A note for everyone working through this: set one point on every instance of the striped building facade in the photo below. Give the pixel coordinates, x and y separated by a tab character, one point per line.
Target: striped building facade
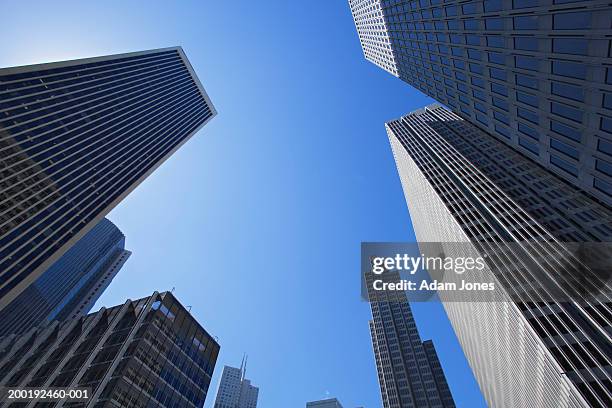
75	138
530	348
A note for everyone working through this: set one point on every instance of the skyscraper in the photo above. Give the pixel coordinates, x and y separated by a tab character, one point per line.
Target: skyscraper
147	352
409	372
71	286
533	73
463	185
75	138
235	391
325	403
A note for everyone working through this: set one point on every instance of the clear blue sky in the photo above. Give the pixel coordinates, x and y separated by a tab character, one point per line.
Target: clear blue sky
257	221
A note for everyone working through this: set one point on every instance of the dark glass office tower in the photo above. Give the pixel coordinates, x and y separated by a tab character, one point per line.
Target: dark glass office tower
75	138
71	286
476	196
536	74
409	372
144	353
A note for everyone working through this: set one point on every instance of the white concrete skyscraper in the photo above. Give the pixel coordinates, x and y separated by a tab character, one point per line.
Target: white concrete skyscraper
471	192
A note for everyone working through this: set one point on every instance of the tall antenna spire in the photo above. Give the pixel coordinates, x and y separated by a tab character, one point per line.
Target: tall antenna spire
246	358
243	366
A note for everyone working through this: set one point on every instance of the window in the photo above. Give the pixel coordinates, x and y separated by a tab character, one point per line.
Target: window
530	63
527	98
474	54
457	51
493	5
494	23
471	24
469	8
607	101
480	106
479	95
451	11
472	39
525	3
501	117
572	21
526	23
564	148
527	114
456	39
529	145
566	111
526	43
482	119
604	146
567	91
609	76
569	69
460	76
563	165
497	73
502	130
479	82
500	103
527	130
453	25
475	68
459	64
602	186
499	89
527	81
574	46
604	167
565	130
497	58
496	41
606	124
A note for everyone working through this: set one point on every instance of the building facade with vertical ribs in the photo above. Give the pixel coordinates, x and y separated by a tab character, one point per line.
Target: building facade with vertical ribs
409	372
72	285
536	74
75	138
463	185
147	352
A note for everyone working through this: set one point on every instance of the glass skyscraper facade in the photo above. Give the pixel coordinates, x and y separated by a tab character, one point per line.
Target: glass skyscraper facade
71	286
75	138
409	372
144	353
535	74
529	348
